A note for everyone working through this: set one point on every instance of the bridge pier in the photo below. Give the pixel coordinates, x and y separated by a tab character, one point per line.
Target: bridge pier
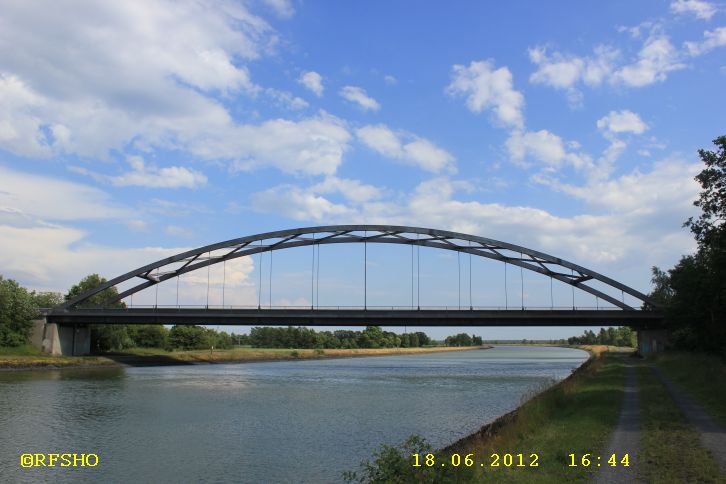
651	341
61	339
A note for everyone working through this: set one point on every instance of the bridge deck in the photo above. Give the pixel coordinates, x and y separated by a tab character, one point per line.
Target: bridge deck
361	317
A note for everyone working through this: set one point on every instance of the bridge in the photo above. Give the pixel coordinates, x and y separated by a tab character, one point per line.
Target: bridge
67	326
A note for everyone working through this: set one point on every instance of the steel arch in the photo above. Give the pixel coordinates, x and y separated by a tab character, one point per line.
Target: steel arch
390	234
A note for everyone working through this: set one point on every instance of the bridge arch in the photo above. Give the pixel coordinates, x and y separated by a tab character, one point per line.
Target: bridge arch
532	260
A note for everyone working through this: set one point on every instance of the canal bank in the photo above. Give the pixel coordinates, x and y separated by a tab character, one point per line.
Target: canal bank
159	357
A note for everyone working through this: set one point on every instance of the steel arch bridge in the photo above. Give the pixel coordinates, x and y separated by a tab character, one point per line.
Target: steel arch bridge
76	310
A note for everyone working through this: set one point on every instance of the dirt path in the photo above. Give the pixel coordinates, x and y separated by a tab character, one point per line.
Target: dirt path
625	439
713	434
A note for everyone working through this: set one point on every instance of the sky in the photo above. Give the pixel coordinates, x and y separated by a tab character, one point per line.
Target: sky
131	131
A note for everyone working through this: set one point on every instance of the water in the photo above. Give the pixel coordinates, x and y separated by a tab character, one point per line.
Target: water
299	421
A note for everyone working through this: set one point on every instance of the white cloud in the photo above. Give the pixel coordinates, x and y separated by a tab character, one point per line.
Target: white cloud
487	88
656	59
49	198
353	190
711	40
419	152
286	99
170	63
699	8
151	177
670	184
390	80
298	204
624	121
283	8
359	96
311	146
312	81
562	71
545	147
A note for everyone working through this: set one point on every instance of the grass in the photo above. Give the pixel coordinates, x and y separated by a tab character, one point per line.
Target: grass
670	449
702	375
575	416
29	357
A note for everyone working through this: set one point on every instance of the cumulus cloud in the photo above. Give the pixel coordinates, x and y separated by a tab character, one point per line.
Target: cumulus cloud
418	151
711	40
298	204
311	146
624	121
47	198
170	63
359	96
312	81
488	88
352	190
286	99
546	148
150	176
700	8
562	71
656	59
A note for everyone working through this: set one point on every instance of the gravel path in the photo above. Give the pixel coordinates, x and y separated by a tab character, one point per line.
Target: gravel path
713	434
625	439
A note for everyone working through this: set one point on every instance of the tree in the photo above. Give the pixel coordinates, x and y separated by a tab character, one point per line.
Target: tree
190	337
148	335
104	337
17	310
693	292
709	227
47	299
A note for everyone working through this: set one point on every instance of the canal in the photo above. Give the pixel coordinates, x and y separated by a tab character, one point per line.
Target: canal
292	421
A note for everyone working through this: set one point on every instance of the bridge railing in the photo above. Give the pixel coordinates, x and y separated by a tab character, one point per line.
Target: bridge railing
354	308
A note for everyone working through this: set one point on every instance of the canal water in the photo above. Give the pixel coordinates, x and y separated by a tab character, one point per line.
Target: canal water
297	421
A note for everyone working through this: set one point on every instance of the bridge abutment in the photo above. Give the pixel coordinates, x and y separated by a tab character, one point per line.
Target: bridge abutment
61	339
651	341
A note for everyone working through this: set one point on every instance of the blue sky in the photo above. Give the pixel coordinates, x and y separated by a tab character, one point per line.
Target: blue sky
130	131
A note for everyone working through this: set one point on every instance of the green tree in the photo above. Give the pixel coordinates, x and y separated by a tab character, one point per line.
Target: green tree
17	310
148	335
708	228
48	299
190	337
104	337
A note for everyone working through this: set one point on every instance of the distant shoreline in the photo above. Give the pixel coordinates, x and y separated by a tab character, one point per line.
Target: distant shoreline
143	357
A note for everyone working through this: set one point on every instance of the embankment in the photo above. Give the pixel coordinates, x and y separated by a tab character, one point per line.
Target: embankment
158	357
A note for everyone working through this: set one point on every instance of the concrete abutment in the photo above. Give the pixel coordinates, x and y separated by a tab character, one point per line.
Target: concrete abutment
61	339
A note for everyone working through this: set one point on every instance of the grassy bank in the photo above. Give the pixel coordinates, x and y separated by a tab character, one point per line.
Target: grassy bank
575	416
670	448
702	375
22	357
28	357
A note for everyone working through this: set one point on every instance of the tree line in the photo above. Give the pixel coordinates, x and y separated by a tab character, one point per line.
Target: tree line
693	292
622	336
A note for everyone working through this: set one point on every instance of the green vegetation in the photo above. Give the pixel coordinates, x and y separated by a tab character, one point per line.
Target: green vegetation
575	416
463	339
702	375
622	337
670	448
300	337
694	291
